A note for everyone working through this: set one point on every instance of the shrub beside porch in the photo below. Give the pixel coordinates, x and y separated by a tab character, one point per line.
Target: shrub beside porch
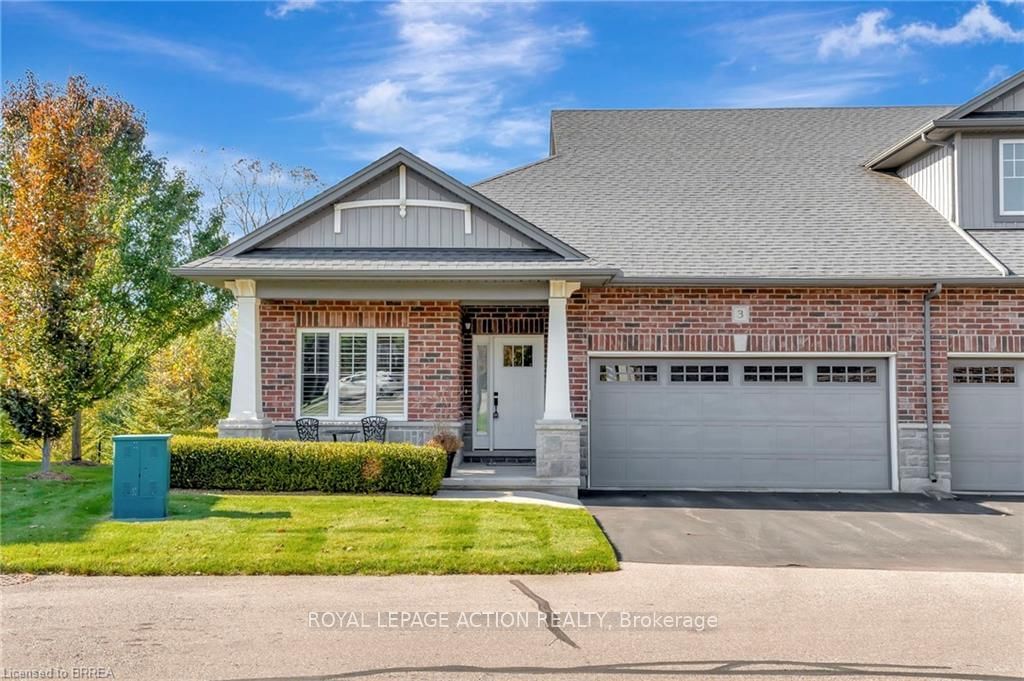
292	466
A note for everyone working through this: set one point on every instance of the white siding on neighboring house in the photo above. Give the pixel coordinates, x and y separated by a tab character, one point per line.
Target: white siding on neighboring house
931	176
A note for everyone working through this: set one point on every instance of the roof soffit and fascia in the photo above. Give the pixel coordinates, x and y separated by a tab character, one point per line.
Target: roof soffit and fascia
944	126
398	157
606	277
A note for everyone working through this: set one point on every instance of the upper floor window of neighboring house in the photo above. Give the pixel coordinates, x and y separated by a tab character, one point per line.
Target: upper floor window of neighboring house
1011	177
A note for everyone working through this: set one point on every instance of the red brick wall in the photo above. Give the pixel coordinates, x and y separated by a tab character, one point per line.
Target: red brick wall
798	320
661	319
434	349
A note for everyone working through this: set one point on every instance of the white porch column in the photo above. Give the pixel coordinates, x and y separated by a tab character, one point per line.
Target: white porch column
246	416
558	434
556	387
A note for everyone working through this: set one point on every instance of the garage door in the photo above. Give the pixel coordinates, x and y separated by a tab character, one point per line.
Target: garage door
986	412
739	424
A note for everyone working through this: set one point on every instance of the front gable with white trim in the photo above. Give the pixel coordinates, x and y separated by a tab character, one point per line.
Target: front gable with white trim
401	208
399	202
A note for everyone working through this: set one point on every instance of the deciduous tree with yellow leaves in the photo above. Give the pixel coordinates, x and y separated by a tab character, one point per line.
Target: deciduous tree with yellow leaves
91	224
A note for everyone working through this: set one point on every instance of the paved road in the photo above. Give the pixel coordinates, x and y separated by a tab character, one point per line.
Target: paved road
781	623
877	531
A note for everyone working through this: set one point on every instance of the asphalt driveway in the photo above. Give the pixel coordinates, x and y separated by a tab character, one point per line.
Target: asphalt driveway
874	531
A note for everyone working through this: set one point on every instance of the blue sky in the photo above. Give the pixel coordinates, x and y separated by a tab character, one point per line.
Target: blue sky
470	87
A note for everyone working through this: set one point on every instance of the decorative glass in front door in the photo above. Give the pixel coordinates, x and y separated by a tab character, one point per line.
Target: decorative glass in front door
482	406
517	355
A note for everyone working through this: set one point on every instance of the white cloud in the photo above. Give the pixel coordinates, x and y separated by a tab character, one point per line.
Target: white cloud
458	161
444	84
805	89
383	104
116	38
283	9
517	132
978	25
996	74
440	81
770	60
872	30
786	36
867	32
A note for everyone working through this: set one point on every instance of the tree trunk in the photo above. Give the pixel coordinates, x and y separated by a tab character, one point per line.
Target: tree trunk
47	443
76	438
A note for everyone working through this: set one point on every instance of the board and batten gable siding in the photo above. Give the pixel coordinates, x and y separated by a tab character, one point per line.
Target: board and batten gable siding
1007	102
931	176
978	180
383	227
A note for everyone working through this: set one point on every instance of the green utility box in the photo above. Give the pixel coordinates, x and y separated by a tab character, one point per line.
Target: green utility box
142	476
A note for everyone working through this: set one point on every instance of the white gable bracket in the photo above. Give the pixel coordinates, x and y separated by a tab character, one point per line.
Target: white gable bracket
402	202
401	190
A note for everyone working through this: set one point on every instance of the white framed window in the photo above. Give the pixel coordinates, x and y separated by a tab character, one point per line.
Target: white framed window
1011	177
346	374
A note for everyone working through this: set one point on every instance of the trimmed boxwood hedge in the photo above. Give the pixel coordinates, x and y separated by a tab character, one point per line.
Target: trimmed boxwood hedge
292	466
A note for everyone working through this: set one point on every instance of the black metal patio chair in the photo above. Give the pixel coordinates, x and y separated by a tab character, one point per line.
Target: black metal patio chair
308	429
375	428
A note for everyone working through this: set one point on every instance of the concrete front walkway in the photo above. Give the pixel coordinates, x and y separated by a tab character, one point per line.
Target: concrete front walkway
770	624
874	531
509	497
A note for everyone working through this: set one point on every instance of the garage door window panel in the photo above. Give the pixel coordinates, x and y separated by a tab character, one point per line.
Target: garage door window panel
628	373
846	374
985	374
699	373
773	373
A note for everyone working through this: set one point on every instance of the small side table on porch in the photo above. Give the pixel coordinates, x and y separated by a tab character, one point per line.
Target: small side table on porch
350	432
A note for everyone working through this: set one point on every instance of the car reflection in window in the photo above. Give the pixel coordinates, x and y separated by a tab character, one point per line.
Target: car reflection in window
352	388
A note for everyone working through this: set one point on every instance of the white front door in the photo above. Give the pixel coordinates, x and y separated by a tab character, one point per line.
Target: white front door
508	391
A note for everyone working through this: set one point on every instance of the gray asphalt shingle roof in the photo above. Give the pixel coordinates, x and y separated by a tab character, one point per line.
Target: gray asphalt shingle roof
1005	244
769	193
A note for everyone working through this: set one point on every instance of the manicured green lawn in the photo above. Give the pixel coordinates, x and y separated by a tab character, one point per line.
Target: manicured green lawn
64	527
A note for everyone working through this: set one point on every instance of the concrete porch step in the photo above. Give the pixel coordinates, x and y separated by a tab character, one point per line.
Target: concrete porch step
480	477
500	459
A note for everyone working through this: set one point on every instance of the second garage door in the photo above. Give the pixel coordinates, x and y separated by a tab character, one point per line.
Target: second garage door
739	424
986	412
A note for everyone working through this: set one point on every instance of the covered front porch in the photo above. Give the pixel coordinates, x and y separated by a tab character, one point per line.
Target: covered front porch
490	361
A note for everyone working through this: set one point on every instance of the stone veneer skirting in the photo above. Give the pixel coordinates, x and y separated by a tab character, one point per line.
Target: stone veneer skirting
912	457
